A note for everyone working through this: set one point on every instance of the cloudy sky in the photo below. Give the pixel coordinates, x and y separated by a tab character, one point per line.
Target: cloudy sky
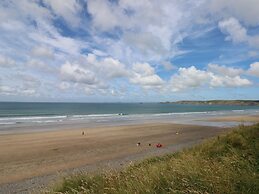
128	50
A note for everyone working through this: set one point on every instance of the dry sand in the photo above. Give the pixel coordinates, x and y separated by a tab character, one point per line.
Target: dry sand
28	156
34	154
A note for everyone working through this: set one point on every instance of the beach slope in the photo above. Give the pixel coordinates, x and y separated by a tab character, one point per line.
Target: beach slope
226	164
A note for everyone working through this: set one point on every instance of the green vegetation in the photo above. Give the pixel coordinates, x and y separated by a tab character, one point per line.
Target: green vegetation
226	164
219	102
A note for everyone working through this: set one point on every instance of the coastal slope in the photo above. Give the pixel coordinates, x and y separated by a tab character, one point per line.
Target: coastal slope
226	164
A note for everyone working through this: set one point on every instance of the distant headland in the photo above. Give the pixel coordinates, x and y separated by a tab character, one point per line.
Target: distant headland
218	102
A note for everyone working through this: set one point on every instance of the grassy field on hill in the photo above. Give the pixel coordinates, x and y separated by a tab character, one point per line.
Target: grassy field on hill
226	164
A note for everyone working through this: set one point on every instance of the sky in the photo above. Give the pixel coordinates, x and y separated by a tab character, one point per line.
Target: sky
128	50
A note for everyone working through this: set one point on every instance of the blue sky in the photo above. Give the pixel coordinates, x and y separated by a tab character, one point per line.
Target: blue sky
128	51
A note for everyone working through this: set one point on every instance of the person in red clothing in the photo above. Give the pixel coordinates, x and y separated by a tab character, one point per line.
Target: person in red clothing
159	145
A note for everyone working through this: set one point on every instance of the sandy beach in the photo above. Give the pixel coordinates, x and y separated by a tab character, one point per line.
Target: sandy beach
28	155
30	159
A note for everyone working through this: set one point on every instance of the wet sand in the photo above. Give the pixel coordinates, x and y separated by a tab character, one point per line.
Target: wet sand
30	155
250	118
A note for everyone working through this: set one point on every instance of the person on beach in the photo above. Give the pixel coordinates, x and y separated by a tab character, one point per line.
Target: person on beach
159	145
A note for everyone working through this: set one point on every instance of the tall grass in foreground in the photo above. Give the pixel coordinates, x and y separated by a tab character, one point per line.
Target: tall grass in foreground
226	164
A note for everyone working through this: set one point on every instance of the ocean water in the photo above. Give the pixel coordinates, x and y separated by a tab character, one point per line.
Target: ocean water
15	114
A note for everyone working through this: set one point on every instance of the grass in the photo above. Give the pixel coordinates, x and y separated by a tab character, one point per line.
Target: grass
226	164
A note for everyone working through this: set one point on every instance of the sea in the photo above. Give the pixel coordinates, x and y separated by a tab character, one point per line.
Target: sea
14	115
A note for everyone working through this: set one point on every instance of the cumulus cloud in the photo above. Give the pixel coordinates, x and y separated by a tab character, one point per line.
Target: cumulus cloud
92	73
189	78
76	73
98	72
227	81
223	70
254	69
108	67
144	75
194	78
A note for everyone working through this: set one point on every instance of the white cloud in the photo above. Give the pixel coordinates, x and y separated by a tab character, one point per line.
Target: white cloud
127	39
168	66
107	67
107	18
64	85
95	74
189	78
76	73
254	69
192	77
14	91
41	66
144	75
233	28
68	9
6	90
29	92
223	70
46	34
147	44
143	69
6	61
27	82
227	81
245	11
23	85
150	29
42	51
237	33
36	22
92	73
99	53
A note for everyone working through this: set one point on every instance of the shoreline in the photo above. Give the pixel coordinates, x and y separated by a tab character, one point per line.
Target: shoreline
210	118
